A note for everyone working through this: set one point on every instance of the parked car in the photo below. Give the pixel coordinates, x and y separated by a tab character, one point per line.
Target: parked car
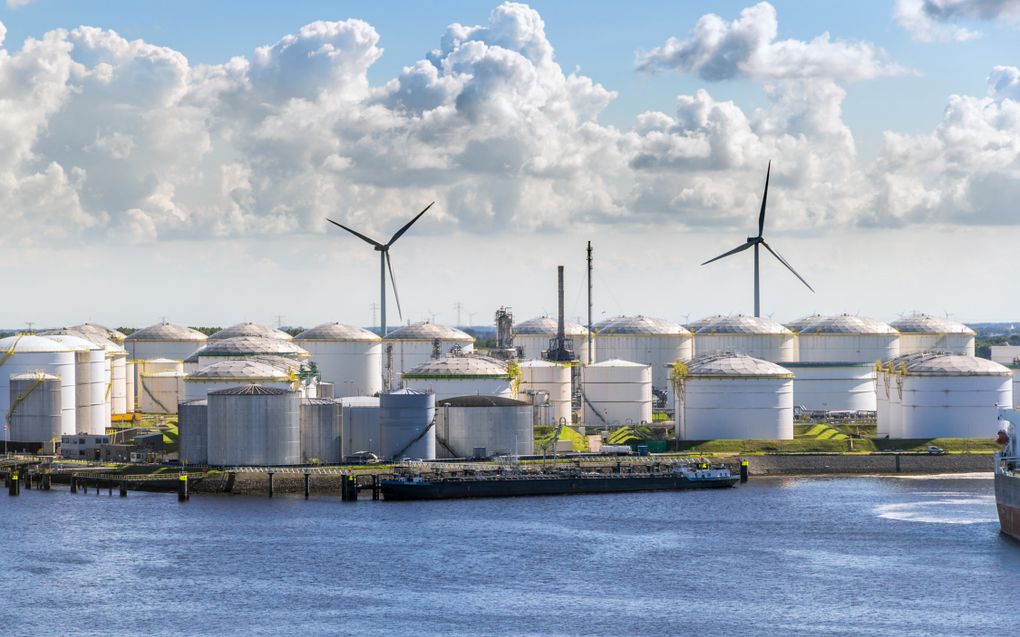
362	457
936	451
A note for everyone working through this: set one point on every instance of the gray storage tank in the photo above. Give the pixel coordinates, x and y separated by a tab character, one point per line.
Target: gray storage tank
320	431
35	412
406	419
193	431
253	425
499	426
360	418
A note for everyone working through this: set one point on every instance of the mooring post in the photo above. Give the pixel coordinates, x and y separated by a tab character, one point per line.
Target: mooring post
270	474
897	463
74	484
123	488
27	479
349	489
229	487
743	471
375	486
182	487
14	488
307	493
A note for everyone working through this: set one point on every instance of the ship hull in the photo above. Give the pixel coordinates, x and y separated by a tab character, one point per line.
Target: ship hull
502	488
1007	501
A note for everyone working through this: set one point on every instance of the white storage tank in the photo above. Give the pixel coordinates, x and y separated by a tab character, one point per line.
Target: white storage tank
617	392
836	370
348	357
131	386
29	353
161	392
246	347
158	365
407	424
163	340
35	418
484	426
411	345
555	380
461	376
250	329
953	396
889	393
757	337
231	373
254	425
321	431
193	432
798	324
360	420
733	396
926	333
118	386
650	341
532	337
697	324
93	331
112	351
90	383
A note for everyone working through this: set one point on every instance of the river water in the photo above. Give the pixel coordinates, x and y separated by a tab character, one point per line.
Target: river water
814	556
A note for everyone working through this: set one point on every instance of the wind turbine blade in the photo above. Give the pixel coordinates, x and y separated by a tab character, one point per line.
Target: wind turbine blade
396	296
788	266
356	234
733	251
764	197
410	223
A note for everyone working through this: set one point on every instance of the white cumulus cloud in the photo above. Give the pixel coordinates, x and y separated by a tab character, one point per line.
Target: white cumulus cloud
747	47
939	20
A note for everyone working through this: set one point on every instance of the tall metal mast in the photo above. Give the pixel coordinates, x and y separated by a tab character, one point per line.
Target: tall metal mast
591	359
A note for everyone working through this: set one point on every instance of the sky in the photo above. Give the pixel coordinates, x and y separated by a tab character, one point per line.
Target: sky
179	159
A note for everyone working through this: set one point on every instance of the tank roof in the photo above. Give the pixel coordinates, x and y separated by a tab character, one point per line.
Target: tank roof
36	375
741	324
75	342
729	364
169	374
549	326
247	369
358	401
696	325
101	331
196	402
928	324
943	364
642	325
336	332
166	332
318	401
798	324
26	343
846	324
474	366
252	390
250	329
253	346
427	331
483	401
280	362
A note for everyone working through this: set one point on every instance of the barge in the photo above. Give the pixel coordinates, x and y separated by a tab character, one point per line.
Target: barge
1007	476
678	477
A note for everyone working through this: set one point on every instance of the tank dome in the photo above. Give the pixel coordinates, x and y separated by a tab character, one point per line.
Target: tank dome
337	332
166	332
730	365
250	329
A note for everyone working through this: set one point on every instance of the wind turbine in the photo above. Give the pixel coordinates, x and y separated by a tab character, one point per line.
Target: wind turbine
760	241
384	264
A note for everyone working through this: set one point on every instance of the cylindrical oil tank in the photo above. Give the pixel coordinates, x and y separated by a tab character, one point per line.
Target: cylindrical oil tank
499	426
732	396
232	373
250	329
246	347
757	337
90	383
161	392
954	396
36	415
118	389
93	331
164	340
349	357
29	353
649	341
193	432
461	376
102	383
883	392
798	324
157	365
254	425
532	337
617	392
409	346
130	379
321	431
360	420
555	380
926	333
836	370
406	424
